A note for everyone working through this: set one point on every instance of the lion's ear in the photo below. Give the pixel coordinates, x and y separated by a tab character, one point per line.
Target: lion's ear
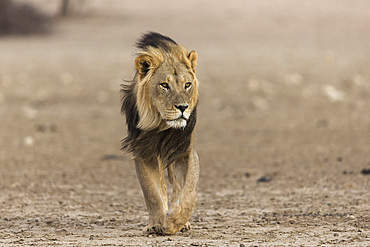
143	64
193	56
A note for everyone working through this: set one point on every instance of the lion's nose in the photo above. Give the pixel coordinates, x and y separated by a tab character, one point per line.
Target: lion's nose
182	108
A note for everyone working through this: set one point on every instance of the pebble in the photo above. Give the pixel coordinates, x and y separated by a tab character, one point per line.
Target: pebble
334	94
264	179
46	127
365	171
28	141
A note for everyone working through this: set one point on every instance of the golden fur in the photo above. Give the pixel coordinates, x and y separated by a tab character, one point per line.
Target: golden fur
160	108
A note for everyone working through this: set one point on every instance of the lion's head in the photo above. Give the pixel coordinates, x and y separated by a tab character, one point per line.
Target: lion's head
165	83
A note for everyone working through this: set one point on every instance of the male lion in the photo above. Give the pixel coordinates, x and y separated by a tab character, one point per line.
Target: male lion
160	108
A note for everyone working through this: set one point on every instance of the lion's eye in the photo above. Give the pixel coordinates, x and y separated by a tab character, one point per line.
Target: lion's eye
165	85
187	85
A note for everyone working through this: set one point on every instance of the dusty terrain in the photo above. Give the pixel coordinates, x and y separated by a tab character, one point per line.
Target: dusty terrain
283	134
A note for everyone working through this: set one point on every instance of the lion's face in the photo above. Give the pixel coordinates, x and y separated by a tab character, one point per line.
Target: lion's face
172	90
167	90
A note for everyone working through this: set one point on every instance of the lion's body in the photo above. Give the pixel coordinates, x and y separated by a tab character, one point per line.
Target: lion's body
160	108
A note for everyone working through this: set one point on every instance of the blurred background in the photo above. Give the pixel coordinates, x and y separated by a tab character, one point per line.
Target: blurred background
284	97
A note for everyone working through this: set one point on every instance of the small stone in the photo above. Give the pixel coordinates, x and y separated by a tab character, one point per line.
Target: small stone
365	172
334	94
41	128
28	141
264	179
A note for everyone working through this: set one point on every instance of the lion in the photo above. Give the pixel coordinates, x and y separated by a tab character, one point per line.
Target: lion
160	109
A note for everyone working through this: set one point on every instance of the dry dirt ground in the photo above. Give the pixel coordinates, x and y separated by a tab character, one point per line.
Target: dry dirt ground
283	134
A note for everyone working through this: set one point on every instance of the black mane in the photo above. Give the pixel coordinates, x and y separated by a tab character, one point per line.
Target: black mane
155	40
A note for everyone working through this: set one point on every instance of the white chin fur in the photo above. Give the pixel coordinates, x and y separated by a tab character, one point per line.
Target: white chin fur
177	124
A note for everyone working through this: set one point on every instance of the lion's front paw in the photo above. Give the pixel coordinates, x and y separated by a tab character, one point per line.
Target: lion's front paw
159	229
150	230
162	230
154	229
187	227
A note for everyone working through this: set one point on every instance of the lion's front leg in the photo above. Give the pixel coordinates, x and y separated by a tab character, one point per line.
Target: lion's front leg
182	204
152	182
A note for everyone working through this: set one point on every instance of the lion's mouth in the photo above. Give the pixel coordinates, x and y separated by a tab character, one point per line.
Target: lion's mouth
182	117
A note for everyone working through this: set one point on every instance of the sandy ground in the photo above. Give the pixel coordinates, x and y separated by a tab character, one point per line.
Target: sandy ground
283	134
